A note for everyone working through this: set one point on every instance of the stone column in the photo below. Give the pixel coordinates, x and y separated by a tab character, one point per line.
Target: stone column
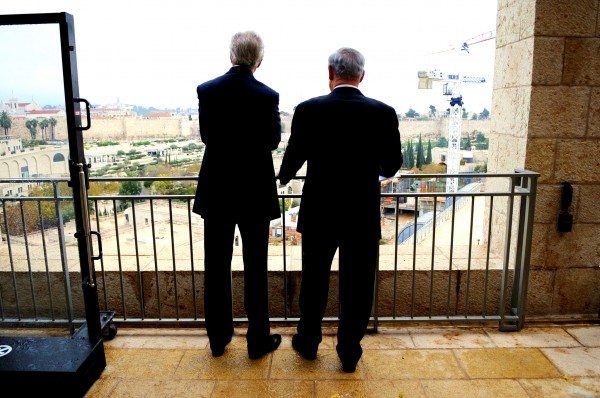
546	118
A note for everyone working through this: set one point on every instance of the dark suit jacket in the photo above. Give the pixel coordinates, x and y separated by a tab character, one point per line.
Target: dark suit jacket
348	141
240	125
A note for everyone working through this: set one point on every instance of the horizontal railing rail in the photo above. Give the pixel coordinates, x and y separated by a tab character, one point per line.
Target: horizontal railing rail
470	262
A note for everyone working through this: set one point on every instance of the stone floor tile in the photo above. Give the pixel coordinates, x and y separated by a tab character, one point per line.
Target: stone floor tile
562	387
169	339
589	383
141	363
369	389
264	389
233	365
474	388
288	364
387	340
140	388
578	361
103	387
411	364
506	363
451	338
534	337
589	336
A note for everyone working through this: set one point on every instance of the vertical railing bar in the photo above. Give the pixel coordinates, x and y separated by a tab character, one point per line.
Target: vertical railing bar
12	263
434	227
506	261
173	258
284	251
414	265
526	219
451	254
102	271
118	241
395	293
2	303
469	256
46	265
28	256
487	257
63	257
137	260
189	211
158	300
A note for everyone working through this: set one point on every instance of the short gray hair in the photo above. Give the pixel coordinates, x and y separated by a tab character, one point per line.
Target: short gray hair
246	49
347	63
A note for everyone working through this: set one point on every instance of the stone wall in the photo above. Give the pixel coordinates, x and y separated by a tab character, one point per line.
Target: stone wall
546	108
155	297
130	128
136	128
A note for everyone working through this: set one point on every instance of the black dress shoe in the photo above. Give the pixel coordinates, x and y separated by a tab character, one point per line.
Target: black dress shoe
273	343
218	349
302	348
349	362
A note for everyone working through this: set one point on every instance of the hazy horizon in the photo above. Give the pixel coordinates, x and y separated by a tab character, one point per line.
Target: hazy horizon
148	54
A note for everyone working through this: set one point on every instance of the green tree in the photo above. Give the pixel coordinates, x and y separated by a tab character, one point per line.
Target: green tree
485	114
5	122
32	126
31	210
482	141
429	157
432	110
283	207
410	155
442	142
468	143
130	188
412	113
405	157
420	155
43	126
53	122
474	117
465	114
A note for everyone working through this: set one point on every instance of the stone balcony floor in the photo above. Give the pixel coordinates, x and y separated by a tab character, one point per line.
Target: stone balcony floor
542	360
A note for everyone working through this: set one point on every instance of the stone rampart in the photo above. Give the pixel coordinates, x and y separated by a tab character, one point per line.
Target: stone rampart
136	128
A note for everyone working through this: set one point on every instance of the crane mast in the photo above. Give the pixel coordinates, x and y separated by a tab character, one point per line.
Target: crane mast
454	133
452	84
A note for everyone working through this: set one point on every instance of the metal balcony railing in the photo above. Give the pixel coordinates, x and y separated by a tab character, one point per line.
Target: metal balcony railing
460	257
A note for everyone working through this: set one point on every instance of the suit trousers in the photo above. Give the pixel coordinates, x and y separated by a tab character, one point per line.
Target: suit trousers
357	267
218	250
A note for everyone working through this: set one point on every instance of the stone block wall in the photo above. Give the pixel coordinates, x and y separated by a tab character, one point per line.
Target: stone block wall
546	107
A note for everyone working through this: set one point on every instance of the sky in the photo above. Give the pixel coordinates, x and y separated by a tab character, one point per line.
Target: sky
154	53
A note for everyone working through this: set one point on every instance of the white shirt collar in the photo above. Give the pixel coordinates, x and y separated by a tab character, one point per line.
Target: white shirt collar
345	85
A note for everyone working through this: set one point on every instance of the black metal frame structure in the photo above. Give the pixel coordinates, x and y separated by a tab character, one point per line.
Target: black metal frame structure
66	366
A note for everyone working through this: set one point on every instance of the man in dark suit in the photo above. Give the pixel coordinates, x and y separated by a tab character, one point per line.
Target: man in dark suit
240	125
348	141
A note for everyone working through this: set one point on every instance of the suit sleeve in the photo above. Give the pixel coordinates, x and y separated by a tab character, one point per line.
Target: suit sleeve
391	150
296	151
275	138
201	117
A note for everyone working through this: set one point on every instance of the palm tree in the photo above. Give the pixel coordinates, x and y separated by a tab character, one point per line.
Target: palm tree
5	122
53	123
43	126
32	126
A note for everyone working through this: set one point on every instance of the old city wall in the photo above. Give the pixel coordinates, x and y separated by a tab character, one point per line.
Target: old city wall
130	128
134	128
